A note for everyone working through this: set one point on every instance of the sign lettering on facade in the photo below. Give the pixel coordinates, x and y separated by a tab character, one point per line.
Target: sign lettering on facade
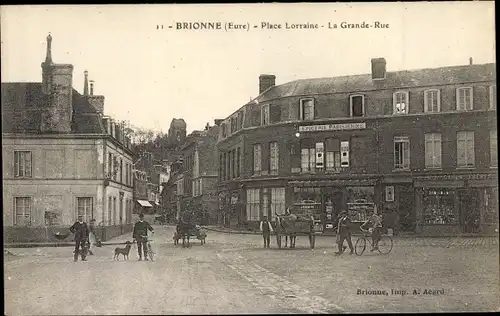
332	127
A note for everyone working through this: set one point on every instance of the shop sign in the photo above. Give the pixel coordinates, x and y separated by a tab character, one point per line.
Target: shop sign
332	127
389	194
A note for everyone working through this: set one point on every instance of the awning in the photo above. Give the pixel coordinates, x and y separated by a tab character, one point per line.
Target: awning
144	203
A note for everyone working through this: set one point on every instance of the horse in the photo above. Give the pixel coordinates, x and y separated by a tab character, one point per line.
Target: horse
184	230
283	225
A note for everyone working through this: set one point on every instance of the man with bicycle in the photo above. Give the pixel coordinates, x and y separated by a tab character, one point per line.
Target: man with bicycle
375	222
140	234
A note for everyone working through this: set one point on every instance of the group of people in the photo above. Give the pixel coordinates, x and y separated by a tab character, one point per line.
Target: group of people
344	229
86	237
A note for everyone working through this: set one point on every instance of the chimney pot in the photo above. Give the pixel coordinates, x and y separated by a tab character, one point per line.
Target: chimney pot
378	68
266	81
470	60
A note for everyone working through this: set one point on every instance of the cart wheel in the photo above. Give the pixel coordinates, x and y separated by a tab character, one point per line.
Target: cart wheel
278	240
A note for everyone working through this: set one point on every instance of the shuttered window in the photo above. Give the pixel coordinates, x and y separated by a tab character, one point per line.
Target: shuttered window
433	150
465	149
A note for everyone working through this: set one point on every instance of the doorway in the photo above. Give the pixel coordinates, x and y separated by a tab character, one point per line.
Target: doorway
468	203
407	217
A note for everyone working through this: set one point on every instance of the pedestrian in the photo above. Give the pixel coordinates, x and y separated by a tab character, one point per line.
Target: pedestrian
344	232
140	234
81	231
376	224
266	228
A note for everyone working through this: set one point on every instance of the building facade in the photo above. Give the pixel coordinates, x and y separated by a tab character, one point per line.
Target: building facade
419	145
61	159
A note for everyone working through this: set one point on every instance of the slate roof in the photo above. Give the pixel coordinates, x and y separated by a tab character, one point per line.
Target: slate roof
22	104
393	80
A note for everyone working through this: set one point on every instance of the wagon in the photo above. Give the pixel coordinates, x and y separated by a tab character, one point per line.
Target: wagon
291	226
197	231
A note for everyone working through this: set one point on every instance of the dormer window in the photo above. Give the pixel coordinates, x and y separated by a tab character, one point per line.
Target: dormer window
265	114
307	109
464	99
400	103
432	102
357	105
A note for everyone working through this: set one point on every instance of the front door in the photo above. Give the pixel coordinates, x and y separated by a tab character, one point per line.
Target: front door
407	218
469	210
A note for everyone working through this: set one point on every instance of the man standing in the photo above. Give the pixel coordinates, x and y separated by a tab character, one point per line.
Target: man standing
344	232
376	224
266	228
140	234
81	232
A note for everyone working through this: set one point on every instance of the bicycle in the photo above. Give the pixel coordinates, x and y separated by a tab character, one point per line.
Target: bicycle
151	253
385	243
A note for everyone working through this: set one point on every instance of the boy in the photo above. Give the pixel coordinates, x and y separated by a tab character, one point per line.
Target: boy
266	228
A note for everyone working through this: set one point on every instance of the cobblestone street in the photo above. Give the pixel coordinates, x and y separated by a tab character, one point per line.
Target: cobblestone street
233	273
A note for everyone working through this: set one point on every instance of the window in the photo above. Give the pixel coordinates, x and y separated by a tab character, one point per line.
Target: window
22	209
265	114
274	157
432	101
401	153
401	102
332	155
491	205
308	159
465	149
121	170
464	99
265	203
439	207
110	207
223	130
110	165
432	150
114	210
357	105
257	158
233	124
84	208
238	162
253	204
277	202
22	163
200	186
307	109
240	120
493	149
493	96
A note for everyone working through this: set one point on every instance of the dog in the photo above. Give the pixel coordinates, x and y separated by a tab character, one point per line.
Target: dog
122	251
176	238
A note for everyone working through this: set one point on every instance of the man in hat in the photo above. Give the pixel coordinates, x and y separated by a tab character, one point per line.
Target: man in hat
376	223
81	231
344	232
140	234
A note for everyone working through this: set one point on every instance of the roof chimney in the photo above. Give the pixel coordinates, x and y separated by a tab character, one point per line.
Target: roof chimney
91	87
470	60
86	83
378	68
266	82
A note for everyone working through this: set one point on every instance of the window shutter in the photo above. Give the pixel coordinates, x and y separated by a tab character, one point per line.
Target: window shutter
428	151
460	150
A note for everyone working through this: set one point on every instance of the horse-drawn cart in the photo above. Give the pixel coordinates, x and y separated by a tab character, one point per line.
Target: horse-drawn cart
293	226
186	231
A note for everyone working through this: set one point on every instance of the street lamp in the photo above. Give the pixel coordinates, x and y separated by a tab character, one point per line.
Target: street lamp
297	134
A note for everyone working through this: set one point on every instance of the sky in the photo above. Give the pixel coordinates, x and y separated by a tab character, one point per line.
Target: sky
149	76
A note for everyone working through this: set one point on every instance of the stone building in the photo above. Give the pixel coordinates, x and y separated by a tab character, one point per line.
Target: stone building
420	145
61	158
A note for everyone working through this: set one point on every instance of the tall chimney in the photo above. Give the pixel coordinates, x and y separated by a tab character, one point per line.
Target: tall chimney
470	60
86	83
91	87
378	68
266	82
97	101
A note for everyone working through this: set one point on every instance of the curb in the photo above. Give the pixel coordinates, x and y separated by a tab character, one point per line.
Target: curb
53	244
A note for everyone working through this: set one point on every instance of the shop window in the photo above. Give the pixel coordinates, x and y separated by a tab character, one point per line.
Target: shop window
464	99
265	203
401	153
277	202
493	149
22	209
253	204
432	150
22	164
84	208
273	158
439	207
400	102
432	102
465	149
257	158
360	202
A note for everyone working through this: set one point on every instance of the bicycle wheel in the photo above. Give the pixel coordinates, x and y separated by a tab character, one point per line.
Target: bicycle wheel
151	254
360	246
385	245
